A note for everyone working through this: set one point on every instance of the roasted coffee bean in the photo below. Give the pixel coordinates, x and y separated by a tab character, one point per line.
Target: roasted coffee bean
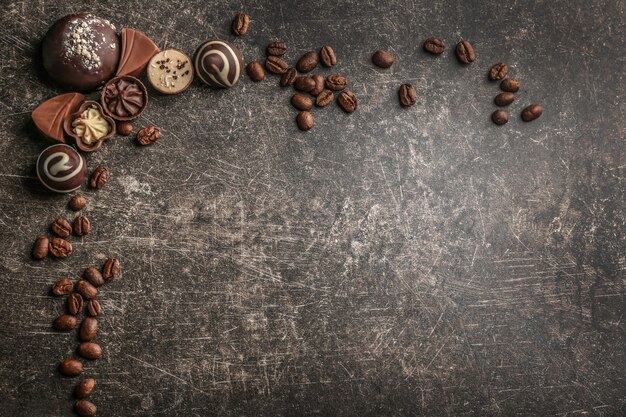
301	102
304	83
324	98
63	286
111	268
99	177
71	367
305	120
276	65
148	135
82	226
77	202
407	95
348	101
41	248
307	62
84	388
336	82
504	99
61	227
240	24
327	56
465	52
276	48
500	117
84	288
382	59
434	46
510	85
93	275
75	304
498	71
85	408
288	77
255	71
319	84
60	248
532	112
90	350
94	309
88	329
124	128
65	322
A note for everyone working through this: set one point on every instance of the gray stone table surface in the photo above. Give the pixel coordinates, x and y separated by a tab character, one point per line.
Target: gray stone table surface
392	262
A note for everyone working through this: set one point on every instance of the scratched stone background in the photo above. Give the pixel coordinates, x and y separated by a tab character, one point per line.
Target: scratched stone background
392	262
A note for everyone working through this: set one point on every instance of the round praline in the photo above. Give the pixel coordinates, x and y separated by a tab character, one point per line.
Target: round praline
61	169
81	51
218	63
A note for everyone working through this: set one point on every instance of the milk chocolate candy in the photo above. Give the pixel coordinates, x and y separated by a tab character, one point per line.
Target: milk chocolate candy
170	71
50	115
137	50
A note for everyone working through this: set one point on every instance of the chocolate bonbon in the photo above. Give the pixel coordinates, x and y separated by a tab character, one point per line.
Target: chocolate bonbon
89	126
81	51
218	63
50	115
61	168
170	71
137	50
124	98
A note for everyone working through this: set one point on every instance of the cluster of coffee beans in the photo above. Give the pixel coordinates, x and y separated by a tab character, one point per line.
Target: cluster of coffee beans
509	87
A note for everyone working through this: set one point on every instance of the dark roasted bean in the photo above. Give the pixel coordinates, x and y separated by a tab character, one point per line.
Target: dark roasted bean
41	248
61	227
301	102
276	48
304	83
327	56
407	95
336	82
90	350
60	248
148	135
288	77
498	71
85	408
434	45
99	177
94	309
255	71
93	275
71	367
276	65
63	286
305	120
88	329
82	226
500	117
324	98
504	98
307	62
84	388
65	322
124	128
84	288
75	304
465	52
77	202
111	268
510	85
532	112
382	59
348	101
240	24
319	84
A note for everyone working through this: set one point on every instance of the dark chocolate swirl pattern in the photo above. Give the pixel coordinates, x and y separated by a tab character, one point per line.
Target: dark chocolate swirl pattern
218	63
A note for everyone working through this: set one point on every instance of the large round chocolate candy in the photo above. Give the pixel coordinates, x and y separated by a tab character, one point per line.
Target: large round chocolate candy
81	51
218	63
61	168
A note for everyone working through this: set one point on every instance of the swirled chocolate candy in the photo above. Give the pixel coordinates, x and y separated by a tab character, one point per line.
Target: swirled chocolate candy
61	168
49	115
137	49
124	98
170	72
81	51
218	63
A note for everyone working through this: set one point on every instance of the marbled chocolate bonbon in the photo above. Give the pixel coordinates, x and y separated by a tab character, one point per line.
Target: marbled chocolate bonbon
218	63
61	168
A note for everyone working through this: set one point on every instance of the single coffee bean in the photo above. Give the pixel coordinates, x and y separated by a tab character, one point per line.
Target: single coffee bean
65	322
319	84
498	71
288	77
465	52
304	83
348	101
77	202
276	65
71	367
336	82
61	227
124	128
94	309
148	135
82	226
305	120
532	112
307	62
90	350
60	248
111	269
434	46
88	329
84	288
407	95
324	98
93	275
85	408
99	177
301	102
255	71
504	99
62	287
41	248
75	304
276	48
327	56
510	85
240	24
84	388
382	59
500	117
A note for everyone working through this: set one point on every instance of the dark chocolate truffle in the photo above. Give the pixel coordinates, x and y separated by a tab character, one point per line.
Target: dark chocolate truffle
218	63
124	98
61	168
81	51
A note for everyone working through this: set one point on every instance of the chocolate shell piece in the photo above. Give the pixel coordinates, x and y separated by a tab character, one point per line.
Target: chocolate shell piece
124	98
50	115
137	50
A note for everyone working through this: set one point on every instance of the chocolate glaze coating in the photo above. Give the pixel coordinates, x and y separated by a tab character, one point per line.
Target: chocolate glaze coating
218	63
61	168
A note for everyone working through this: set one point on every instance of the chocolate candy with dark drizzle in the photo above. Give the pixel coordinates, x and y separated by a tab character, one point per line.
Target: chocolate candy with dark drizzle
124	98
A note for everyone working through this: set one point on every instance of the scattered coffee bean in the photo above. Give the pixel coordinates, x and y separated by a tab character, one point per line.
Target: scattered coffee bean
88	329
276	48
240	24
99	177
504	99
465	52
124	128
75	304
327	56
84	388
500	117
324	98
307	62
319	84
94	309
90	350
498	71
84	288
276	65
82	226
93	275
304	83
434	46
65	322
288	77
336	82
71	367
62	287
510	85
60	248
407	95
382	59
148	135
77	202
111	269
532	112
85	408
41	248
301	102
305	120
348	101
255	71
61	227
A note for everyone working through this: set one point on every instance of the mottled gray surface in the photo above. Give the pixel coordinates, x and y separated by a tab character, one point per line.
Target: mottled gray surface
391	262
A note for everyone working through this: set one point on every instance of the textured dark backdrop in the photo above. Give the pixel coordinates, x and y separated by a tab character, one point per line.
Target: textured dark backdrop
390	262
